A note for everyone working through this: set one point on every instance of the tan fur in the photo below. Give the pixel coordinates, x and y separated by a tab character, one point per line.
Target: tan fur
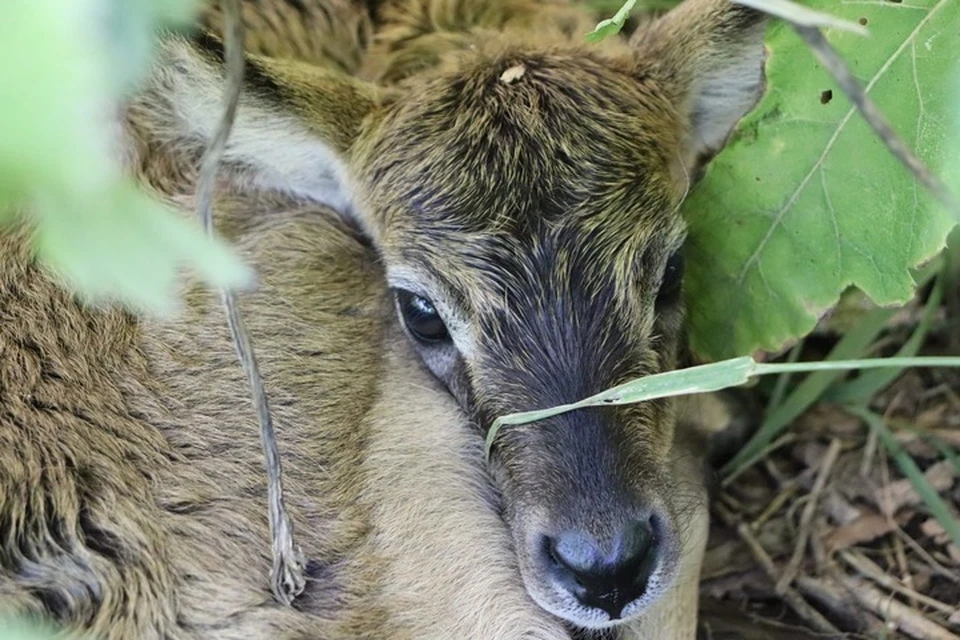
132	493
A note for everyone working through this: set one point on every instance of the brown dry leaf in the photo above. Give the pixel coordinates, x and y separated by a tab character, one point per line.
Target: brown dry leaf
866	528
839	509
831	421
933	529
896	495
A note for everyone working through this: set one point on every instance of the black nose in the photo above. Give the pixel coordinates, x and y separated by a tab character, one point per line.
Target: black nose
606	580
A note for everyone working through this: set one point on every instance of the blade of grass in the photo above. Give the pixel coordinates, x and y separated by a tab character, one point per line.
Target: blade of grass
703	379
808	392
810	389
909	467
784	379
937	443
864	387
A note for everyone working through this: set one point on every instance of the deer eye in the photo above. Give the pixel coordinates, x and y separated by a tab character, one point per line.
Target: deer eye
672	279
421	317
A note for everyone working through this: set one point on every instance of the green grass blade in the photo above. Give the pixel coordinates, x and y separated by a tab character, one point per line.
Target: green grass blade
909	467
699	379
704	379
945	449
783	381
810	389
864	363
864	387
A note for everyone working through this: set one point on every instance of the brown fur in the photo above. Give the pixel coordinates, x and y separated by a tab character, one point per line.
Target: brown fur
132	495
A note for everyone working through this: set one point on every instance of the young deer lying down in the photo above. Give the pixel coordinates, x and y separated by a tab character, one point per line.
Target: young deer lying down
471	214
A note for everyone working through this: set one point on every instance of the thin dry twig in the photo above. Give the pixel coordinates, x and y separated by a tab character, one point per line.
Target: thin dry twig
782	441
911	622
791	597
806	519
831	596
286	575
838	68
796	602
869	569
775	504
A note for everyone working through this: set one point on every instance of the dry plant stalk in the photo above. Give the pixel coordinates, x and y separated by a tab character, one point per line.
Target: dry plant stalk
911	622
806	520
287	573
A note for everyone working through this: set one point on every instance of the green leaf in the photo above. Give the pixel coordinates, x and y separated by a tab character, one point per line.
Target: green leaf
20	629
61	70
611	26
806	201
130	31
803	16
120	245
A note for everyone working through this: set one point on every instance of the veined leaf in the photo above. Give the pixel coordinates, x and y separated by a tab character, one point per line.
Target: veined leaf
806	201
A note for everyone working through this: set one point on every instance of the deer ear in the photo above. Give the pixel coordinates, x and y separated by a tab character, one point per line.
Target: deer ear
709	57
295	123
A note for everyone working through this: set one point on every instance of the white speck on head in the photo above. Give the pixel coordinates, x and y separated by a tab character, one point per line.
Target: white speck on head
512	74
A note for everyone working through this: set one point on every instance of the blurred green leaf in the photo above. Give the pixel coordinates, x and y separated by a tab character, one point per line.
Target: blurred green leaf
61	72
19	629
122	245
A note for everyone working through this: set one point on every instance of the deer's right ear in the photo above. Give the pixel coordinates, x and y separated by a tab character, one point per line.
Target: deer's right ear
295	124
708	56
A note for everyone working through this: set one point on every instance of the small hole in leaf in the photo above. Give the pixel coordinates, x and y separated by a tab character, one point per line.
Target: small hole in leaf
862	21
826	96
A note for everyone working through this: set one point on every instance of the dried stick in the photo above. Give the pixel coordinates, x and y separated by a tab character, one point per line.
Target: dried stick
911	622
791	597
806	519
850	86
796	602
869	569
286	575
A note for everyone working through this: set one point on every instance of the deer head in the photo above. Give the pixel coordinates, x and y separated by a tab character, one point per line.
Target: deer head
523	196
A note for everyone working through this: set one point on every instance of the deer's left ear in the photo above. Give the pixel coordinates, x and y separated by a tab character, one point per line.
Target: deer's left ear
709	57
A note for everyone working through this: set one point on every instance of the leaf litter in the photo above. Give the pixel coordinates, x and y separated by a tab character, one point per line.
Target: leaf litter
824	536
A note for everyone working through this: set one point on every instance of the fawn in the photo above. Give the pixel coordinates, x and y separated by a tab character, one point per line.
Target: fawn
457	209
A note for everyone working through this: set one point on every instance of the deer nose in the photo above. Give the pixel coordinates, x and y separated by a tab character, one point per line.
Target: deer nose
607	581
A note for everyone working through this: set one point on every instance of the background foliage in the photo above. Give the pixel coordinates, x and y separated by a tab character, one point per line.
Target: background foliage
63	68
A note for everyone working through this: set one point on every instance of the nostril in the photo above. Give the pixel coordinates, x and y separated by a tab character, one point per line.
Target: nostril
636	542
610	578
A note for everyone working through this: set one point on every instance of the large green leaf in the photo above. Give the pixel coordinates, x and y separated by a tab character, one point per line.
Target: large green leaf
63	66
805	201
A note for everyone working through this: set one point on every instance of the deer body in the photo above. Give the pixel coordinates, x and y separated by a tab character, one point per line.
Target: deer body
413	213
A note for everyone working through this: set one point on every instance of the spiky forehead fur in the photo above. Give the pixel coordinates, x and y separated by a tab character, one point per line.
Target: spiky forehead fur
535	186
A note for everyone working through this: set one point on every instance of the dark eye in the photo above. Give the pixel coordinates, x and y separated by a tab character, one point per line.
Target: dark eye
672	278
421	317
